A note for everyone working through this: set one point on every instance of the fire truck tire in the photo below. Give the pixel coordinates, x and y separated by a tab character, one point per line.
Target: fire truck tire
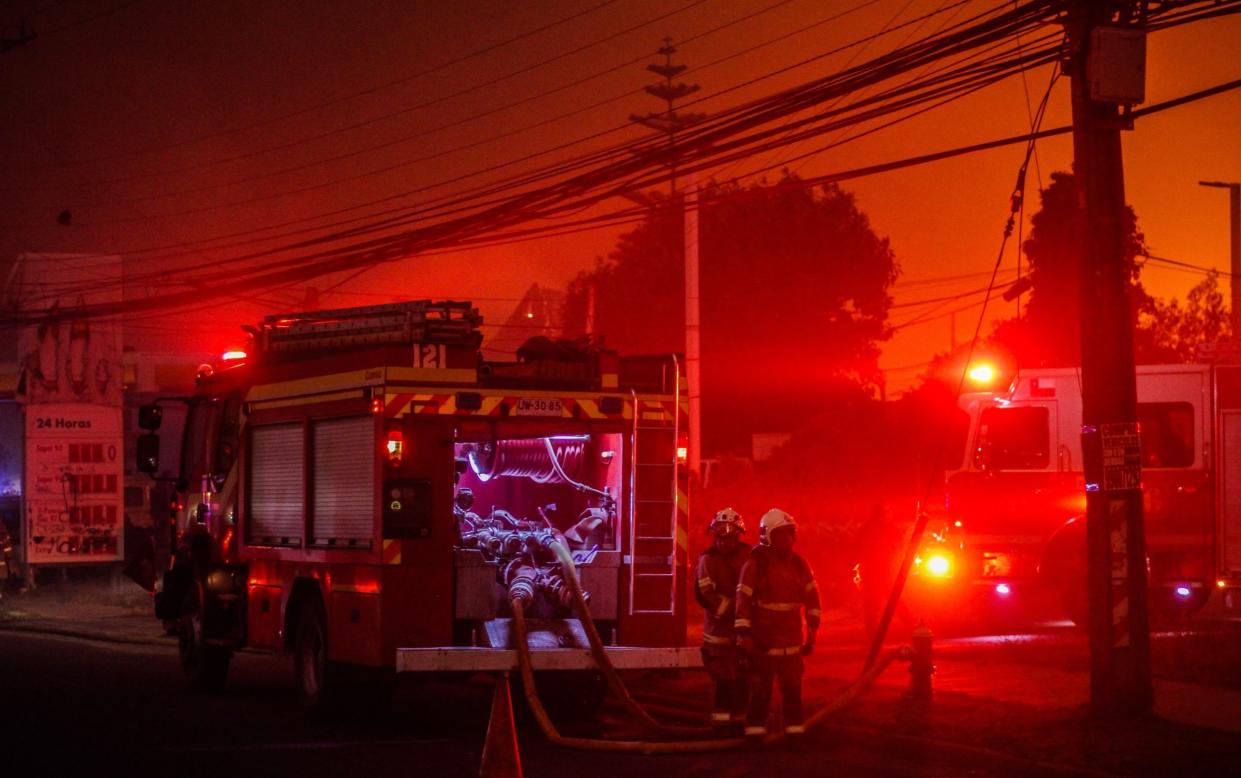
204	665
311	669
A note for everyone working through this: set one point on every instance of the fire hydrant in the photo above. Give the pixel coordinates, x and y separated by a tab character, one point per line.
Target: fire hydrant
920	666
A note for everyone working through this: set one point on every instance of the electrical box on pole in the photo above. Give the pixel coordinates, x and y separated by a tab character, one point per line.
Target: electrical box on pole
1106	64
1116	65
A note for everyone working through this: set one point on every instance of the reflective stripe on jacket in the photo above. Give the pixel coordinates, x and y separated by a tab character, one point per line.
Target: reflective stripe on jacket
717	576
770	597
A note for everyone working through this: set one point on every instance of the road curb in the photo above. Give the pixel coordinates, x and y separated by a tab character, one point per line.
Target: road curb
17	625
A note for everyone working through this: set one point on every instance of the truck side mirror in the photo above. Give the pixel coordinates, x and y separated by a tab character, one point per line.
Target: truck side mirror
150	416
148	453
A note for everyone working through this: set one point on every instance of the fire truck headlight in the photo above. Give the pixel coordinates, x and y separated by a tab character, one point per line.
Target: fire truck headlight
1003	590
982	374
938	565
1182	591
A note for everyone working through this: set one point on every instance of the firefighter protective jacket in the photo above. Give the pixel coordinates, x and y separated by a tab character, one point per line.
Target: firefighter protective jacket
718	575
770	598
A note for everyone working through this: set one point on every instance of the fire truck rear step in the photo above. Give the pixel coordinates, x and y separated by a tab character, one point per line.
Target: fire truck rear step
555	644
472	659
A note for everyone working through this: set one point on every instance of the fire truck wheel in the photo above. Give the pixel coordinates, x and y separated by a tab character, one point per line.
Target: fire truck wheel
310	666
205	666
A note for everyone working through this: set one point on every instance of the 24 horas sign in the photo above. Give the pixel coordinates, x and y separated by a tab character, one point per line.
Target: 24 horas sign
74	483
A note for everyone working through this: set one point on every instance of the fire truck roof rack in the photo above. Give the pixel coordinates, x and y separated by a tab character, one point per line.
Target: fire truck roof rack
417	321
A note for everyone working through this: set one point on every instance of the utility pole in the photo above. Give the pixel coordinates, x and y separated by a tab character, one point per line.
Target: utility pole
1107	66
669	122
1234	202
693	327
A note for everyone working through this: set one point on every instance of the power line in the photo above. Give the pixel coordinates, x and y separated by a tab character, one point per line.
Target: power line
634	215
438	128
339	211
89	19
783	157
594	185
1203	269
428	157
397	210
345	98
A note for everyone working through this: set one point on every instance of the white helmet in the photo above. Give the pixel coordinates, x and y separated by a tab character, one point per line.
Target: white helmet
727	522
773	520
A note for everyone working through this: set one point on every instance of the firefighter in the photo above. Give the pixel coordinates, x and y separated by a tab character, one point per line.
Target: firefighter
718	572
776	585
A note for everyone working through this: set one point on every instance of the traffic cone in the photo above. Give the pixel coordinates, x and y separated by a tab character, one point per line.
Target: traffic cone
501	759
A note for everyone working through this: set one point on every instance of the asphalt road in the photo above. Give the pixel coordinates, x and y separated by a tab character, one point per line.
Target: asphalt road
77	707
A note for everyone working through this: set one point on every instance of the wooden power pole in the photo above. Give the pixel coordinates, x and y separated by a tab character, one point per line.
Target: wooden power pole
670	121
1106	63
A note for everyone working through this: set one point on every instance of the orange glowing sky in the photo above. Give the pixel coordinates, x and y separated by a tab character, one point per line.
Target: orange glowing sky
111	79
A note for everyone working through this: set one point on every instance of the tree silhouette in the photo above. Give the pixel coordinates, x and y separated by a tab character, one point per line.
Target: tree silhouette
1170	332
794	300
1048	333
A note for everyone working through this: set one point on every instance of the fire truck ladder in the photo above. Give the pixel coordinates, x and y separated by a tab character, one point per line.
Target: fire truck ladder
419	321
653	509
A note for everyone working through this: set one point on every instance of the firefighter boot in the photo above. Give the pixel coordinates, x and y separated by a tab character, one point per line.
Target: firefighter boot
720	716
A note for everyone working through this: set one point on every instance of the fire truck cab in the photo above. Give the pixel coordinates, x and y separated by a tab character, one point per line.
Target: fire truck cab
1016	499
363	488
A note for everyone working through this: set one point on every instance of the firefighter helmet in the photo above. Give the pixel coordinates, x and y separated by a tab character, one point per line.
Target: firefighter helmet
773	520
727	522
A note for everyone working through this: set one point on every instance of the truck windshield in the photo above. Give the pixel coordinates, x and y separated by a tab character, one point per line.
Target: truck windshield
198	428
1014	439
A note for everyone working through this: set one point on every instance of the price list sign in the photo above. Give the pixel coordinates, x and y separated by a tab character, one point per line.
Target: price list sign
74	483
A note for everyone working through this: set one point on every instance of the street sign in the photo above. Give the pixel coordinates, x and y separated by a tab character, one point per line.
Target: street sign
1122	456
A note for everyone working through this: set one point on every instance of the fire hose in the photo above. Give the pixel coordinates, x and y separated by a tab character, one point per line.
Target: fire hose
617	686
519	598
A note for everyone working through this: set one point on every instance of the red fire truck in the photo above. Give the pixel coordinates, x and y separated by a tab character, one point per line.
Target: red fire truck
361	487
1016	502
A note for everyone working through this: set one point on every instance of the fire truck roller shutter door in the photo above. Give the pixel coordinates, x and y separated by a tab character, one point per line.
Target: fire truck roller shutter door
277	485
343	507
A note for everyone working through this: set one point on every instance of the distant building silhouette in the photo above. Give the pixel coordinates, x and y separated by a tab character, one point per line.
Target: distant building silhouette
538	313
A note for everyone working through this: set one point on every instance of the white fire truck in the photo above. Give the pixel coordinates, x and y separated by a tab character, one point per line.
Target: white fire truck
1016	499
361	488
